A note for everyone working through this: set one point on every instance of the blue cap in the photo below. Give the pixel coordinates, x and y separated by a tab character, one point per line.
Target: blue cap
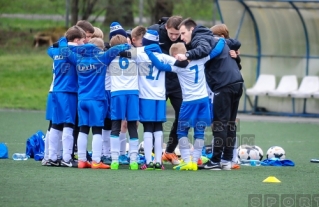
116	29
150	37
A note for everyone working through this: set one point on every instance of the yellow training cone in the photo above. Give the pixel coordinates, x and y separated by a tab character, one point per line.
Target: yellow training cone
271	179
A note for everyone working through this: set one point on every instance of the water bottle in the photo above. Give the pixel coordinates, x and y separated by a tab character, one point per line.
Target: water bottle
20	156
250	162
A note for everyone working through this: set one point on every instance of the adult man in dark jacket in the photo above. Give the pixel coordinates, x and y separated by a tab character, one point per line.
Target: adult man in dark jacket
224	79
167	29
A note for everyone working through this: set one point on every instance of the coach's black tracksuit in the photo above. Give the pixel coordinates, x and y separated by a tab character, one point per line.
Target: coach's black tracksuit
225	80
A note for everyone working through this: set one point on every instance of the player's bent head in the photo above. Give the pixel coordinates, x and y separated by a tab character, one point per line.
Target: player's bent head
117	40
74	32
98	42
177	48
86	26
98	33
220	30
173	22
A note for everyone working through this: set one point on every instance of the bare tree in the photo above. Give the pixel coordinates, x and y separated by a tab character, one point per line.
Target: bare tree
161	8
120	11
74	11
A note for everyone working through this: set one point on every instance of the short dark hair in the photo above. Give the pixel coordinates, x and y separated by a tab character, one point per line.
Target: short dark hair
86	26
74	32
188	23
173	22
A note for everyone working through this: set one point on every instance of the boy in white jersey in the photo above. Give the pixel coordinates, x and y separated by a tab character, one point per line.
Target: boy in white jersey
195	110
124	104
152	101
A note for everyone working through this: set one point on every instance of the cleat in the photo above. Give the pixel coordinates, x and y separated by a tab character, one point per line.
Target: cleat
170	157
84	164
212	165
149	166
99	165
106	160
123	160
134	166
194	166
70	163
56	163
115	165
184	166
314	160
235	166
45	162
159	166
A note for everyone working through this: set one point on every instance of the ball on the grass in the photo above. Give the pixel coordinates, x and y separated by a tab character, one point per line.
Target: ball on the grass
276	152
127	147
250	152
141	148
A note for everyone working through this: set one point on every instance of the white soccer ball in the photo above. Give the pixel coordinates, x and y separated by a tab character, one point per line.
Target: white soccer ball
249	152
276	152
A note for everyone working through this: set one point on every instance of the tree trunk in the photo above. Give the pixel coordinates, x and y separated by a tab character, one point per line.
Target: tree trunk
120	11
74	11
162	8
88	8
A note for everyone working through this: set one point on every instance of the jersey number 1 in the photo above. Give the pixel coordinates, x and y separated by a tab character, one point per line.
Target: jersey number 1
195	67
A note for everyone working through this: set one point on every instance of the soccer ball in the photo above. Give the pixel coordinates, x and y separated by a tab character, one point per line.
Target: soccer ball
248	152
276	152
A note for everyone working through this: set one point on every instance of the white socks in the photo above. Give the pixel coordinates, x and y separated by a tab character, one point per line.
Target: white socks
96	147
148	145
82	145
67	143
46	145
122	143
184	149
133	149
115	148
235	151
198	146
54	140
106	143
158	146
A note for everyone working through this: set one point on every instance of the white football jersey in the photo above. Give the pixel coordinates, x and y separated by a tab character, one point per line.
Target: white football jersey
124	74
151	80
192	79
108	80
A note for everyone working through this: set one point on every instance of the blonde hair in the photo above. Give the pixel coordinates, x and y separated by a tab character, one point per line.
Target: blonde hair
220	29
98	42
138	32
177	48
117	40
98	33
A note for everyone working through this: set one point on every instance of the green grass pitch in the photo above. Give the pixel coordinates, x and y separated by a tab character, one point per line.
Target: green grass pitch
27	183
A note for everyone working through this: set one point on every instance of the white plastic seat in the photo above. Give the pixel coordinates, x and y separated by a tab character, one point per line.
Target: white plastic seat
263	84
308	86
287	84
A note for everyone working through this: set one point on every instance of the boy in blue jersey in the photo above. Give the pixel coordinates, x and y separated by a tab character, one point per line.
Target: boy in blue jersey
195	110
91	65
64	98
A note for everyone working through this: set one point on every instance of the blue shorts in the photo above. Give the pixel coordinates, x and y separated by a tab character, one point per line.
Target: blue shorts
91	113
125	107
64	107
49	108
196	114
152	110
108	102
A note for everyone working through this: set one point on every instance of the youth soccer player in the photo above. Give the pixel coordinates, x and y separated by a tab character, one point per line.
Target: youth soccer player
64	98
195	110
